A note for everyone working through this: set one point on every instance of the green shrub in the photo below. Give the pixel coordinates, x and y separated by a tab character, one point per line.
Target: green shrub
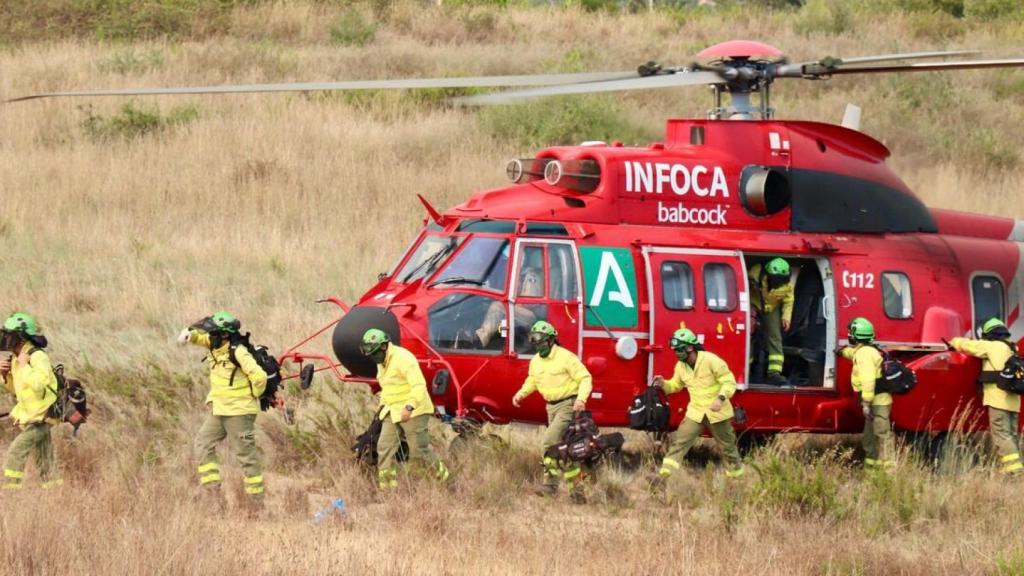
790	486
823	17
560	121
130	61
992	9
134	121
352	28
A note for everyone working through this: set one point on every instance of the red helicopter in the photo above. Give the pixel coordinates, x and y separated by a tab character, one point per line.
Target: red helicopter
619	246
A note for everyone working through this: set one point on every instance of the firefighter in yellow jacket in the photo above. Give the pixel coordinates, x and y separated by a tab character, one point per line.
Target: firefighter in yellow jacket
26	372
235	387
995	348
711	384
565	384
772	297
405	409
879	446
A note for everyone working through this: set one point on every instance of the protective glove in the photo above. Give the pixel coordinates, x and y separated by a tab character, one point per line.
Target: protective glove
866	408
183	336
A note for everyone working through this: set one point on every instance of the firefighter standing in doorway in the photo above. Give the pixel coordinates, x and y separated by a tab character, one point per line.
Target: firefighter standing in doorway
995	348
772	297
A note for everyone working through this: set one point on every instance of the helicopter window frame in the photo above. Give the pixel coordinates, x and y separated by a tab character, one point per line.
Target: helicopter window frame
686	281
709	272
889	281
977	318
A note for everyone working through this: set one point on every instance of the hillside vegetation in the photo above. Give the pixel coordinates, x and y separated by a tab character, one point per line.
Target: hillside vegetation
123	220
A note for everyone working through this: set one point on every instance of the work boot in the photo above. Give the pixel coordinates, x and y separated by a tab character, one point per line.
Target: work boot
577	496
548	490
776	379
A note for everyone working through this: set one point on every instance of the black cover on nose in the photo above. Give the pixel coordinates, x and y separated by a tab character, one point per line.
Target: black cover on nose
348	336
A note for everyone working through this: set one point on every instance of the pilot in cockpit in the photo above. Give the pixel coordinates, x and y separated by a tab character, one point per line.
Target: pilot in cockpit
531	285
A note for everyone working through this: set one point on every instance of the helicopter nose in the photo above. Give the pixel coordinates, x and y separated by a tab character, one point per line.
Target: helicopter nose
348	335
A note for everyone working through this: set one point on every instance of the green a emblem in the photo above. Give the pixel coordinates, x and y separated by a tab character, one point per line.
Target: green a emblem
611	293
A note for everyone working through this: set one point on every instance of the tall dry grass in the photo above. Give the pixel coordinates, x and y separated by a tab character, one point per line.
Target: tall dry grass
261	204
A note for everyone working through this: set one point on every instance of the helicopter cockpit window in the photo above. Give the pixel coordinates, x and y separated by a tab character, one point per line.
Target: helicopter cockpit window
677	285
563	272
987	292
488	226
482	263
428	257
470	323
896	297
720	287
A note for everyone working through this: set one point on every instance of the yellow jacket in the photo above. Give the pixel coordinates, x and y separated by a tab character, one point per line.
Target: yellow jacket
709	378
767	300
557	377
401	384
234	390
34	385
867	368
994	355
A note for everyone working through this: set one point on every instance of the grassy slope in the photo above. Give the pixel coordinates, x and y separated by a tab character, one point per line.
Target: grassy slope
260	204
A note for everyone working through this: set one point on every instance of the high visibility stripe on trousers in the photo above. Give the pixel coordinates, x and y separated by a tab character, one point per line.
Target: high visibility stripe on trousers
735	473
668	466
387	478
442	472
1011	463
209	473
55	483
12	479
253	485
775	362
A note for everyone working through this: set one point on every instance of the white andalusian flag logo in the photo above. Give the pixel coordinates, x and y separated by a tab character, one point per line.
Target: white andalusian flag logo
621	293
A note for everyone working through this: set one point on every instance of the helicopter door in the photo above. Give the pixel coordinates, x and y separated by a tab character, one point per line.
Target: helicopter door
705	291
545	287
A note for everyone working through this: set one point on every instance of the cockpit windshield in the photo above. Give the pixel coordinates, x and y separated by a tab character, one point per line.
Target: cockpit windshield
482	263
428	257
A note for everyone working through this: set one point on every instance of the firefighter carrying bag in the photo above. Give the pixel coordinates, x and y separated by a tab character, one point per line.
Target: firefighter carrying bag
1011	377
649	411
896	378
266	361
365	447
71	405
583	442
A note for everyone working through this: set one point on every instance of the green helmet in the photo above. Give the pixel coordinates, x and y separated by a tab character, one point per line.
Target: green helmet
992	324
682	338
373	340
542	327
22	323
777	267
861	330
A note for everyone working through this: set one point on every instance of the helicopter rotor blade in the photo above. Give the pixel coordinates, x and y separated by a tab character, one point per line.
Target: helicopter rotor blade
933	66
411	84
670	80
908	56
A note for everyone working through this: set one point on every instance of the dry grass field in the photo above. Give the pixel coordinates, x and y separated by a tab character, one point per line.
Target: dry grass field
121	221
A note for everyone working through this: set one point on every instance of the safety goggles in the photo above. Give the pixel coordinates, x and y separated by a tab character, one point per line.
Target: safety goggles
537	338
368	349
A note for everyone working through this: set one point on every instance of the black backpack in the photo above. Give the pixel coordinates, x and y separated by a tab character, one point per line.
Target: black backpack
266	361
583	442
1011	377
896	378
650	411
366	444
71	405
